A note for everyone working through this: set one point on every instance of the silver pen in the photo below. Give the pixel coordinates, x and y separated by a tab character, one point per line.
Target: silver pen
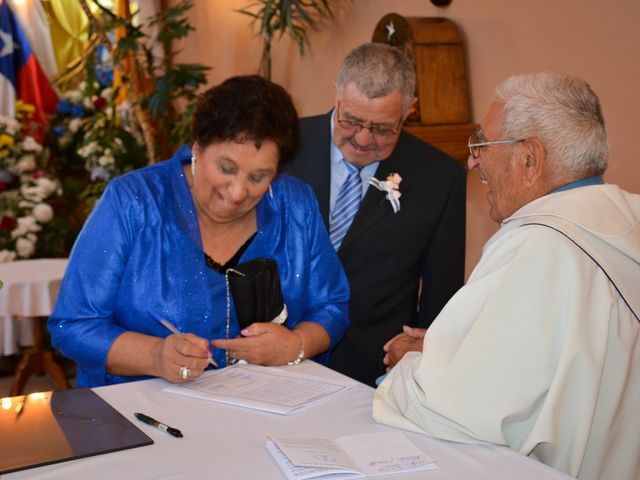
173	329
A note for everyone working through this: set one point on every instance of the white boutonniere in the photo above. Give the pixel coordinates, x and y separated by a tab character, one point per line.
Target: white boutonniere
392	186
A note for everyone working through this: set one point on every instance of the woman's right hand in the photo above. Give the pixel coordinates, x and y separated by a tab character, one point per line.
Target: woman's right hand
175	352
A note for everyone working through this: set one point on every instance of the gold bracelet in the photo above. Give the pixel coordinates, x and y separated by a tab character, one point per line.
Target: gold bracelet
300	356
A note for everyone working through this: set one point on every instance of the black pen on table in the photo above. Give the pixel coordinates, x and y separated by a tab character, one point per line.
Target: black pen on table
155	423
173	329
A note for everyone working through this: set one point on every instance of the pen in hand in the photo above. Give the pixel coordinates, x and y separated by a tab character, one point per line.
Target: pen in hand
173	329
154	423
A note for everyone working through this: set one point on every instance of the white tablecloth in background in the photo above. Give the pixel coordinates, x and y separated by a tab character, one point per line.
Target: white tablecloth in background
30	290
224	442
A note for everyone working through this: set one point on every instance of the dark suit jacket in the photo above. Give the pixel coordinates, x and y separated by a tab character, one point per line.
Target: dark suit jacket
385	255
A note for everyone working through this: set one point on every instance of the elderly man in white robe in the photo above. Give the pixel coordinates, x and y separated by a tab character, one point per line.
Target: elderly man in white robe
540	350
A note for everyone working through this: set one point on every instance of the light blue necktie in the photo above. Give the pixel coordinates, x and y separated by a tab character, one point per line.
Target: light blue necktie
346	205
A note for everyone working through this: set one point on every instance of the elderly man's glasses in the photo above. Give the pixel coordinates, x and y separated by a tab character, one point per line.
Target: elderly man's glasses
355	126
475	143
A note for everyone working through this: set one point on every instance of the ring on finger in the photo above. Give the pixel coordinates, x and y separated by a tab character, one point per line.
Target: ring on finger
184	373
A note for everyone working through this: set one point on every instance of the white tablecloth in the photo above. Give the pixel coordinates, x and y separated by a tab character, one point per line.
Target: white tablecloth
225	442
30	290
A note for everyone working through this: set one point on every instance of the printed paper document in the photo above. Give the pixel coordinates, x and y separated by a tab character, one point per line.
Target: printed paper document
262	388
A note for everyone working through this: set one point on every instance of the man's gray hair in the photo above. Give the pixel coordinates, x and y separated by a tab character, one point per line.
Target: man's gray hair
564	113
378	70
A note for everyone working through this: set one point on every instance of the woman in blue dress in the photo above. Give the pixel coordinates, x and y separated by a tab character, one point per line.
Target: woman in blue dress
160	240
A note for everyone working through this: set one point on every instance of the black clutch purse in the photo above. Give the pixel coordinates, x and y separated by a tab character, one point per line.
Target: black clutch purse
256	292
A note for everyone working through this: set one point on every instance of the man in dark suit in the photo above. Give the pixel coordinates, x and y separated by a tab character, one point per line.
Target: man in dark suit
404	265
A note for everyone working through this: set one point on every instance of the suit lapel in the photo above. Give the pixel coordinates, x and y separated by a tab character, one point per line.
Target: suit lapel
318	171
375	205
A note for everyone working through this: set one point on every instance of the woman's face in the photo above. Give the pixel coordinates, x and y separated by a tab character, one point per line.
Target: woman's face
231	178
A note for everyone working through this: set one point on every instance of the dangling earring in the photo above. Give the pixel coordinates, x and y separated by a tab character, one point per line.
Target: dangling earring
270	192
193	165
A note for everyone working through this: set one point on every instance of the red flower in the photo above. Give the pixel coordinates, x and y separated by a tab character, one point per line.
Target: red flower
8	223
100	103
3	186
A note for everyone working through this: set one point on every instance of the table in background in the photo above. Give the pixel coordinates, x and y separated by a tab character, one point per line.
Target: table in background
26	300
226	442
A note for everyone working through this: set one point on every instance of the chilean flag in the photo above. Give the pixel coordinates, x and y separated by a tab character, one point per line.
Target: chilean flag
21	76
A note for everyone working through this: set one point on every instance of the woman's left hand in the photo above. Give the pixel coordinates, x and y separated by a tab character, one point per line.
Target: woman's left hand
263	343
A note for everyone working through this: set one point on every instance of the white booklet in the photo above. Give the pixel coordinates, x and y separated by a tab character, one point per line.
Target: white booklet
276	390
352	456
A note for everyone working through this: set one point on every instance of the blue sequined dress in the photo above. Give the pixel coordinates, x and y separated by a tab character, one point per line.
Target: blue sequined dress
140	250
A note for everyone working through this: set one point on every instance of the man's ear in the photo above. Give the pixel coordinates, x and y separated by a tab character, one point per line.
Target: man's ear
411	108
534	163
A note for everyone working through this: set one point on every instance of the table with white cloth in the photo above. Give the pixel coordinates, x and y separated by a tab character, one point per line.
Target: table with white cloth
228	442
26	300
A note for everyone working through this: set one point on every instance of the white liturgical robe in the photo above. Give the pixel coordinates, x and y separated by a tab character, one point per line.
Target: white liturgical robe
539	351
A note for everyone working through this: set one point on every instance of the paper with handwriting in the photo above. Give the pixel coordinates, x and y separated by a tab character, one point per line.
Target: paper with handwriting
352	456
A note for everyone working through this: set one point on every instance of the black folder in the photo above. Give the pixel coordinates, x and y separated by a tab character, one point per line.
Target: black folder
51	427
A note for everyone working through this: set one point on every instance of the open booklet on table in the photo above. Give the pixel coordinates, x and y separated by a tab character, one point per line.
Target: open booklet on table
277	390
352	456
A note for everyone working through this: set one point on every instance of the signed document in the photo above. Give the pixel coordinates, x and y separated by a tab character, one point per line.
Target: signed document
262	388
353	456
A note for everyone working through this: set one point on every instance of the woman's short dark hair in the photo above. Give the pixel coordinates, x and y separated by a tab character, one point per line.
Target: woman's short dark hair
247	109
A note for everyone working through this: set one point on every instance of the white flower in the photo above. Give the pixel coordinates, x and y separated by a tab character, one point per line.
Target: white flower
26	164
29	223
106	160
74	96
7	256
43	212
29	144
392	187
25	204
88	149
33	194
25	247
107	93
75	124
11	125
46	184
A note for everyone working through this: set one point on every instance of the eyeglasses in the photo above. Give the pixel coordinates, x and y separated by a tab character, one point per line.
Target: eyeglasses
354	126
475	146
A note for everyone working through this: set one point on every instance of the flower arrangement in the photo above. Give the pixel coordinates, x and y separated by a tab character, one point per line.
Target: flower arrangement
89	131
26	188
392	186
100	130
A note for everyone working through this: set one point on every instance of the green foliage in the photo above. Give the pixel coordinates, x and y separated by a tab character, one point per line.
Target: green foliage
159	84
292	17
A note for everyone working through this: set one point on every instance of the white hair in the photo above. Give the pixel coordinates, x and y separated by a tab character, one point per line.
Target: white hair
378	70
564	113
